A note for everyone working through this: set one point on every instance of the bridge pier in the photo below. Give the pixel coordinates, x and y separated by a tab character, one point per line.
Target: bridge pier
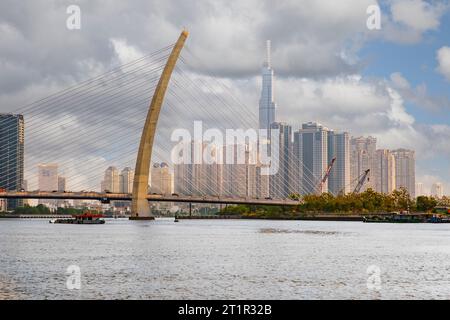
143	211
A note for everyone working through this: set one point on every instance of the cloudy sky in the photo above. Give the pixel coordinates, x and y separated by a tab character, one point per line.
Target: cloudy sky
391	83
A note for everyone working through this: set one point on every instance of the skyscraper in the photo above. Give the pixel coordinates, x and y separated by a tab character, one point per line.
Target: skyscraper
12	136
384	171
267	104
48	177
110	182
126	178
239	178
362	157
161	179
405	170
280	183
339	148
314	152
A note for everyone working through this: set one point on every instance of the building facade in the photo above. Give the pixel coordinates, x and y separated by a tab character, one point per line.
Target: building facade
339	148
110	181
126	178
48	177
362	157
314	156
384	171
281	183
419	189
12	141
405	170
161	179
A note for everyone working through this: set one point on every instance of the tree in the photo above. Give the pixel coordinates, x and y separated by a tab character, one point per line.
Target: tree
424	203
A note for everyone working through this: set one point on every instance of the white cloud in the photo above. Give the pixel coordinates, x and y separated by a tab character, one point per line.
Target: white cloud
417	14
409	20
443	59
418	95
125	52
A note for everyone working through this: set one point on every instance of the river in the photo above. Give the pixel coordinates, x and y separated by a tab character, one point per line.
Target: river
224	259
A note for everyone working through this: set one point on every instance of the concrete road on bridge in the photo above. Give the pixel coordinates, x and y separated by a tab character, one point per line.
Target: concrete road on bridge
107	197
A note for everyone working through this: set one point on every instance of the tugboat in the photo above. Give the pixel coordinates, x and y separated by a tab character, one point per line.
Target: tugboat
85	218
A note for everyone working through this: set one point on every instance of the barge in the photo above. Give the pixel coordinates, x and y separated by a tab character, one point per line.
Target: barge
85	218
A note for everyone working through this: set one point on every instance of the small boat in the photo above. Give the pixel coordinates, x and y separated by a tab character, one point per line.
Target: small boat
396	217
438	219
85	218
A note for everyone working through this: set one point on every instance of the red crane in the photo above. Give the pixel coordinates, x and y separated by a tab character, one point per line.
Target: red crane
325	176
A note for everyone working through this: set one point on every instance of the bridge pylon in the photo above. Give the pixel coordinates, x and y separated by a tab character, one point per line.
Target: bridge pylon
140	207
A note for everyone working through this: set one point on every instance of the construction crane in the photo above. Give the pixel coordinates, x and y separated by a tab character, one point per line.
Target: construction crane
361	181
325	176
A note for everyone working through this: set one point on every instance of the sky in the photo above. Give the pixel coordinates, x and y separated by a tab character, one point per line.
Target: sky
392	83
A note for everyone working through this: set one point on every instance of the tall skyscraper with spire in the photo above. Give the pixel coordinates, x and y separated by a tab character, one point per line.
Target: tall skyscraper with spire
267	105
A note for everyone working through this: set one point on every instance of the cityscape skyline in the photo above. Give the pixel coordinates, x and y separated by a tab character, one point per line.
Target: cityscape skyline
376	93
390	169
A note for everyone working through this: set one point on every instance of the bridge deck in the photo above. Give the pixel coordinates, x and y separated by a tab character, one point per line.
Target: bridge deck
151	197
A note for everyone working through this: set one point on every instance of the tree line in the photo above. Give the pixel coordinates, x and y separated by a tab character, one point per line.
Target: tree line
368	201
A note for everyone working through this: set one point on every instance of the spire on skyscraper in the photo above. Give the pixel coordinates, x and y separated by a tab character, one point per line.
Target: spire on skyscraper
267	105
267	63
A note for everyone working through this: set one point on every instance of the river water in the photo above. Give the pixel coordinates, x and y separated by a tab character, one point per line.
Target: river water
224	259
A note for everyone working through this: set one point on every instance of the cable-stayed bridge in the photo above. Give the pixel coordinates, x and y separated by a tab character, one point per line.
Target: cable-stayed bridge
99	121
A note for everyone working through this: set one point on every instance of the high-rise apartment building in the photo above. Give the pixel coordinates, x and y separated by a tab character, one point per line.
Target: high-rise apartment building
312	140
126	178
267	106
12	138
48	181
339	148
110	181
48	177
161	179
281	183
384	171
194	177
239	173
362	157
405	170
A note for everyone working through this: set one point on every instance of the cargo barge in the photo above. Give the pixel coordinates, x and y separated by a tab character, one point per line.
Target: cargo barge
85	218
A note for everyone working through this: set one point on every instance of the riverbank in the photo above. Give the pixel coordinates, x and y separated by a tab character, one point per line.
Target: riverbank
321	217
310	217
